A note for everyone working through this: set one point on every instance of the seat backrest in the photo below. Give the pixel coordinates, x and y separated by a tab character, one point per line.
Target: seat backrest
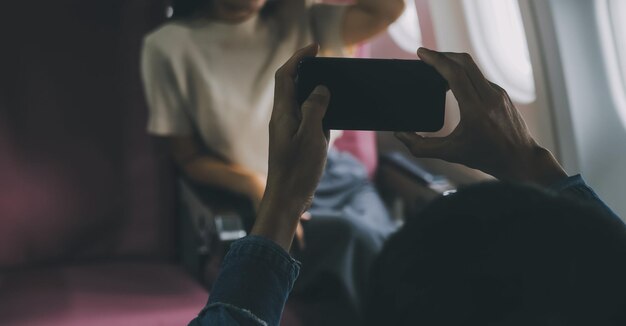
362	145
79	176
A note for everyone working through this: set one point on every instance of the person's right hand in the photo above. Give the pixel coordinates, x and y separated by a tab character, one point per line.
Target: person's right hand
491	136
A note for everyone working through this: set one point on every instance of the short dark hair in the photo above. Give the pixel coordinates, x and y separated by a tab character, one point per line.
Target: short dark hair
503	254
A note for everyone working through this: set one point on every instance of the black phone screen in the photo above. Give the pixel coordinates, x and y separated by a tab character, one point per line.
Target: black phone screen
376	94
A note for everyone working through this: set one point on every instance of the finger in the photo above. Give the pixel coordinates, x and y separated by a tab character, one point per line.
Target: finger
314	109
306	216
290	68
285	89
452	72
286	75
300	236
424	147
476	76
498	89
327	134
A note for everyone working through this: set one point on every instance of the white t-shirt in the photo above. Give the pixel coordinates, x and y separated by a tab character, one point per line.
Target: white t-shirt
217	79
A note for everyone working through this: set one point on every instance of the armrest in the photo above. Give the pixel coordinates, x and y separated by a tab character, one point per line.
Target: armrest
406	186
225	210
415	172
211	218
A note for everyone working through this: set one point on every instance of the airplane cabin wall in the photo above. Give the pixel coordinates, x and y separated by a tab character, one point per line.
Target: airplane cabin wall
600	133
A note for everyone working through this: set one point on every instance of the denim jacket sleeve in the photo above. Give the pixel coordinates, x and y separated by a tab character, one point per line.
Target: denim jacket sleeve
575	187
252	287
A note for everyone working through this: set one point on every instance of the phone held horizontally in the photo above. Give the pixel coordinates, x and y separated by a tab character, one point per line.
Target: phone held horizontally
376	94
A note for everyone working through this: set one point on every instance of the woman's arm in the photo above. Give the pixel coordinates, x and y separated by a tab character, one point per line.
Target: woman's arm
210	170
366	18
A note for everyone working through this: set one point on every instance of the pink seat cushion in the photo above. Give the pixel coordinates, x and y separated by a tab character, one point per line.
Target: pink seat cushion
362	145
100	294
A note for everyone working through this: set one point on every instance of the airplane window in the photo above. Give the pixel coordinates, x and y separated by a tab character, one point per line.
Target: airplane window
612	23
497	33
406	30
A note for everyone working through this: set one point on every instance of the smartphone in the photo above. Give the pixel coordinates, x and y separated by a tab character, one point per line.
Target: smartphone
376	94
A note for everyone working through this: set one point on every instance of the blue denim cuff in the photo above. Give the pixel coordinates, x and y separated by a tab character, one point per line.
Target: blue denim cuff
267	252
255	279
569	182
576	188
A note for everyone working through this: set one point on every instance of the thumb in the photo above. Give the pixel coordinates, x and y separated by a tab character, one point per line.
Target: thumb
314	108
422	146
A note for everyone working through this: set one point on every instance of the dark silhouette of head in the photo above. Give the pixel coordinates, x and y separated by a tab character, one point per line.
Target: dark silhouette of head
502	254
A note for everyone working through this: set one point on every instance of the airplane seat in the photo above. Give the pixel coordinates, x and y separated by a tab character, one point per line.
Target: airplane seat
86	206
362	145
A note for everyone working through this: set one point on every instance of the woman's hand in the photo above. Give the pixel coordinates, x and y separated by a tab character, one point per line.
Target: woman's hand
297	154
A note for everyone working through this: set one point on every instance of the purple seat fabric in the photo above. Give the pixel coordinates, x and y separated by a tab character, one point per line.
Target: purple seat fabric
87	211
100	294
79	175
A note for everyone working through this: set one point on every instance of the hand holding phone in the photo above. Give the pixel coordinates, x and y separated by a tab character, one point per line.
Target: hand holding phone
376	94
492	135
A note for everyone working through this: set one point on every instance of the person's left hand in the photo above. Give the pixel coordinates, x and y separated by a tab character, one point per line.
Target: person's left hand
297	154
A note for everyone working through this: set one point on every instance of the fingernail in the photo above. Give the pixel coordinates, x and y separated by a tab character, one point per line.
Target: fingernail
311	47
321	90
423	51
